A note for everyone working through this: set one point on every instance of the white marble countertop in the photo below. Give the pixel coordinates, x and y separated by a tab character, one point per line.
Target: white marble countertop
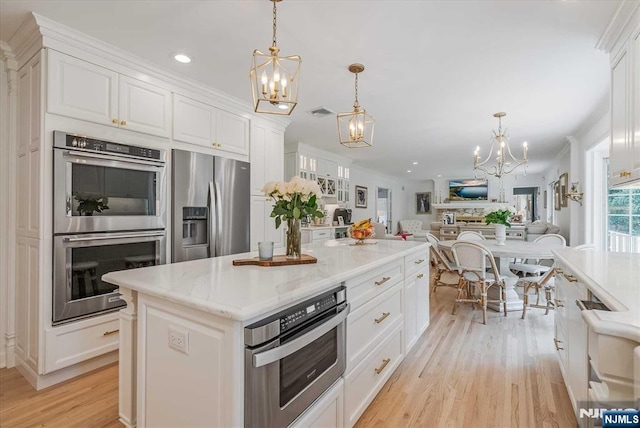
243	293
613	278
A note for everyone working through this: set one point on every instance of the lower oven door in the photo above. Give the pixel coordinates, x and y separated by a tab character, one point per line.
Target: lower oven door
81	260
283	378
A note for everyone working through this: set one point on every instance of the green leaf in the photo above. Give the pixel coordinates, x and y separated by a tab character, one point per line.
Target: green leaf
278	222
296	212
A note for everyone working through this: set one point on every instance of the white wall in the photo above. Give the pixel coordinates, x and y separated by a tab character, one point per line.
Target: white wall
411	188
370	179
560	165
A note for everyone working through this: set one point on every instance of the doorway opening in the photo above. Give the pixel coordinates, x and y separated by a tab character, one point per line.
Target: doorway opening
526	203
383	208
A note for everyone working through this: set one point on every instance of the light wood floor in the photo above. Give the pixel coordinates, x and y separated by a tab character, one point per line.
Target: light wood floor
460	374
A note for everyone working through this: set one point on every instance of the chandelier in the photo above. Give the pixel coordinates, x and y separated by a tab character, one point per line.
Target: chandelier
505	161
355	129
274	79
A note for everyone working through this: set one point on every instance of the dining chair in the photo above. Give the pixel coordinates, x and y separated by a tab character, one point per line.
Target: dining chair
441	263
472	260
537	283
470	235
535	267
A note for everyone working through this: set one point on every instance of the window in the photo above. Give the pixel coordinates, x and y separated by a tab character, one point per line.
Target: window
623	220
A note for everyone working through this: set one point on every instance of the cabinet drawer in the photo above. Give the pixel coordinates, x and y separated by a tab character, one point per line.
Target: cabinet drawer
319	235
370	323
76	342
415	261
364	382
560	343
366	286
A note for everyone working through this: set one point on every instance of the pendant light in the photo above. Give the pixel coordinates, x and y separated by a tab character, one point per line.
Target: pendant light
355	129
274	79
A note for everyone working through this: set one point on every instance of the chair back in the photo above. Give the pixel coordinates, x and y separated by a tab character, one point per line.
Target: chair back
410	226
551	238
585	247
433	240
473	257
546	277
470	235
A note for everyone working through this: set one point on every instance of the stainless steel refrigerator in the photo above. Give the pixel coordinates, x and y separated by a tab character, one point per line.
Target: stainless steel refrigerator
210	206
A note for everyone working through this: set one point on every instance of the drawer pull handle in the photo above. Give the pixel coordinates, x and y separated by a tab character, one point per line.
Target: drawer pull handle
559	270
559	303
570	277
625	174
383	280
556	341
420	275
419	261
384	364
383	317
109	333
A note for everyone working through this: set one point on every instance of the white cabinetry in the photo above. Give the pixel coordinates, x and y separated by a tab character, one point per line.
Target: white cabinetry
625	112
374	335
416	297
86	91
267	154
199	123
326	412
571	334
342	193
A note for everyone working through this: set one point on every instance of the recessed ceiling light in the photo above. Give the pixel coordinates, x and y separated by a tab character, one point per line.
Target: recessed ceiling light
283	106
415	163
183	58
408	170
439	175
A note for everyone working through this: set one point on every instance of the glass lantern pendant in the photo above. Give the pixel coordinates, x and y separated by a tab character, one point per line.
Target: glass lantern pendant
355	129
274	79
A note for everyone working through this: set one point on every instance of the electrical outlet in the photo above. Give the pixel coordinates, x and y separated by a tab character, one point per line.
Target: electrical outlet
179	340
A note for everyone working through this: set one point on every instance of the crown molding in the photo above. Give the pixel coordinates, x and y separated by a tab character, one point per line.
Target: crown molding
38	32
6	55
624	19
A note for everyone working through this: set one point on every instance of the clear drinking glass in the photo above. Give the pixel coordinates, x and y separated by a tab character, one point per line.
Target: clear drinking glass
265	250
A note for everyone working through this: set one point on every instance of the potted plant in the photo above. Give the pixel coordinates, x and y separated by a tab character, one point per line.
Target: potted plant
499	217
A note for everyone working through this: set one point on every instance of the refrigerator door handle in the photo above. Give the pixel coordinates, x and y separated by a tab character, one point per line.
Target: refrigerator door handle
213	221
218	218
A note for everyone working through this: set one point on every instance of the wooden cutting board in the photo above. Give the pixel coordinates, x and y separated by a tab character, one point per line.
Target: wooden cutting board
305	259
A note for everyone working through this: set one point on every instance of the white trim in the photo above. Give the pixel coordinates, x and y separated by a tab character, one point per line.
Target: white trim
618	25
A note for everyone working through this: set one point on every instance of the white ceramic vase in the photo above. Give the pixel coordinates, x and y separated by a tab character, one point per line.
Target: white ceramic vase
501	234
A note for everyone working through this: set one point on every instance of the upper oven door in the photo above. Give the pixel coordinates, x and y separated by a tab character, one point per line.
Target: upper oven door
98	192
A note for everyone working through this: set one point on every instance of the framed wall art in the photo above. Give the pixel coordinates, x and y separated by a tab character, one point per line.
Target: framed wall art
423	203
564	188
361	197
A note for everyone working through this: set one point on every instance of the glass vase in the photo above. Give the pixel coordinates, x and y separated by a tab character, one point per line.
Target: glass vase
294	239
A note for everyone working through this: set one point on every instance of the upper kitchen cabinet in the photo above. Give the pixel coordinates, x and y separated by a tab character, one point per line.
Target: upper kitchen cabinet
625	111
86	91
199	123
267	149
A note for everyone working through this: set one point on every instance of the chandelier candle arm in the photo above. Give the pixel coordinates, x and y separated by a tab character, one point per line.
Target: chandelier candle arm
274	79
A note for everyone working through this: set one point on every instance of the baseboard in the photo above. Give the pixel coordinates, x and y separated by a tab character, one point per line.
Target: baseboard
39	382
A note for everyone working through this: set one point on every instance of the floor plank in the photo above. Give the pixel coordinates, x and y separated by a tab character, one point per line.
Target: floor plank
460	373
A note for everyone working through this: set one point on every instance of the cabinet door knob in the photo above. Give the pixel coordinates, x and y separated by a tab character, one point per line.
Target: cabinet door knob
124	122
114	121
420	275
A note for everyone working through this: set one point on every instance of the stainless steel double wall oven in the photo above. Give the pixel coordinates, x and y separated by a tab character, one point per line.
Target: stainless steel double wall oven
109	213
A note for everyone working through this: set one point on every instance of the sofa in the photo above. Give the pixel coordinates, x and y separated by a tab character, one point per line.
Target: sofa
414	227
539	228
380	231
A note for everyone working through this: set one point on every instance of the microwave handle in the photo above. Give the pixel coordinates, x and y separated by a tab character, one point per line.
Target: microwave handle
114	158
275	354
112	236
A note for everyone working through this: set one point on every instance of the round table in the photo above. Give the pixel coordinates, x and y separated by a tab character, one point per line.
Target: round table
512	249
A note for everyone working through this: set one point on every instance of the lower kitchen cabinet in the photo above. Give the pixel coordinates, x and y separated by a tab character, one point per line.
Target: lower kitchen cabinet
416	297
326	412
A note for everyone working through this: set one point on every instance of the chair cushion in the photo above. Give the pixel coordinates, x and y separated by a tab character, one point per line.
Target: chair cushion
528	268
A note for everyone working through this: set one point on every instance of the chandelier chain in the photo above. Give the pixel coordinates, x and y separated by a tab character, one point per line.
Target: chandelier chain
274	24
356	88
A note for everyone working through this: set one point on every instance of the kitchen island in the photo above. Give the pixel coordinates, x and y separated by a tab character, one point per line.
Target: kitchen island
598	349
182	357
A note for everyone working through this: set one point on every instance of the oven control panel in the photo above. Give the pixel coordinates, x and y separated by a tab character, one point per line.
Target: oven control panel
311	310
81	142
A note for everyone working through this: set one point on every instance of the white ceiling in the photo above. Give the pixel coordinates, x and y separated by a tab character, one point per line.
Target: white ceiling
436	71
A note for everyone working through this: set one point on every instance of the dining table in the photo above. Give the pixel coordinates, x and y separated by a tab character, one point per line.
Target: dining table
504	254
